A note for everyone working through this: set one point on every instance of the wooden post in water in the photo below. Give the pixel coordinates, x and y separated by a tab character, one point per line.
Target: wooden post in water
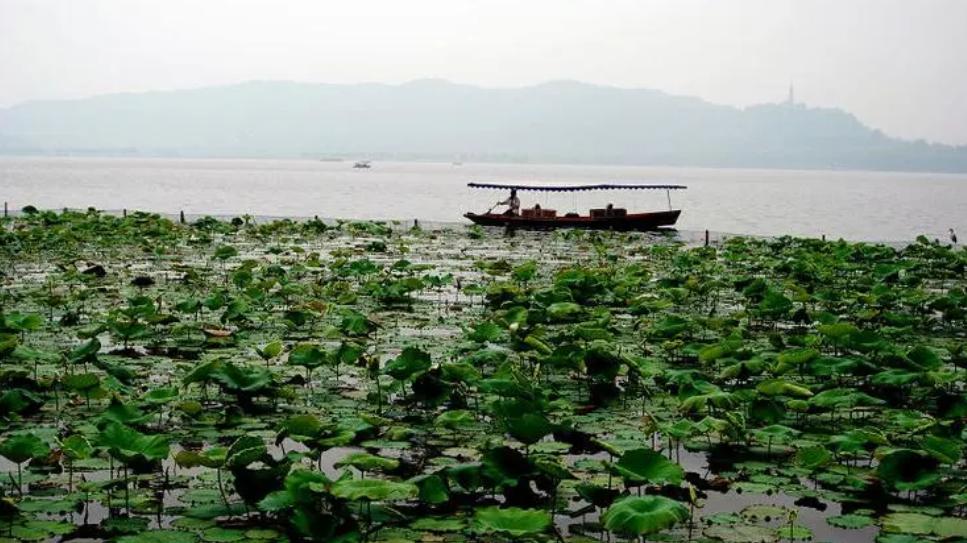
706	237
181	216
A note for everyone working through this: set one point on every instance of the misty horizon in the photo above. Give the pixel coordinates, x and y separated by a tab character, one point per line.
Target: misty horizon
896	65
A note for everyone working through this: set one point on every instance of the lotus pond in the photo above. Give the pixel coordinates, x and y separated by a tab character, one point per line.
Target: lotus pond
228	381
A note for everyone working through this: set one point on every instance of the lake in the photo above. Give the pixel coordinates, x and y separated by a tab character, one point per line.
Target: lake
874	206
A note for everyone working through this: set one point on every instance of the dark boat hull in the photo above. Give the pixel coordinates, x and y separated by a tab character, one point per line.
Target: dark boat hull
633	221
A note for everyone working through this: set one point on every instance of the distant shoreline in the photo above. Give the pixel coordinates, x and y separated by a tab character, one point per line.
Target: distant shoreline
558	122
349	160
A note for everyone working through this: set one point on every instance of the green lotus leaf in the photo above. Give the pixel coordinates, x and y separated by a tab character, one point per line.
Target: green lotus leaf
906	469
433	489
27	533
798	357
908	523
924	358
127	444
794	532
409	363
837	331
354	323
598	496
850	521
670	327
950	527
766	513
224	252
551	467
945	450
348	352
82	382
270	350
813	458
124	413
260	534
160	396
774	304
222	535
203	372
276	501
485	331
856	440
527	427
368	462
647	466
85	352
431	524
741	533
76	447
307	355
23	322
843	398
47	506
511	521
19	401
213	458
52	527
644	515
306	426
8	344
564	312
900	538
239	379
373	490
455	418
896	377
244	451
459	372
160	536
781	387
20	448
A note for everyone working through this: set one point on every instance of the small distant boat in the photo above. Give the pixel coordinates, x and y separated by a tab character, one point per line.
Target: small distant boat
362	164
608	218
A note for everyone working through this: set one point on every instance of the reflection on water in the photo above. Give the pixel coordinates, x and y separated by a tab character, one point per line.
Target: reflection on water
855	205
581	517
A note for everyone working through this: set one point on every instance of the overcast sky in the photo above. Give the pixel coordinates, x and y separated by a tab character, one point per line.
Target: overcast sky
900	66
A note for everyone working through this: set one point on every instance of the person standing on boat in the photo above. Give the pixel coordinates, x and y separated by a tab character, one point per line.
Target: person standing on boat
512	203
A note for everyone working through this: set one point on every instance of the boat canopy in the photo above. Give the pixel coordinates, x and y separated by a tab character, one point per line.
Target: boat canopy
573	188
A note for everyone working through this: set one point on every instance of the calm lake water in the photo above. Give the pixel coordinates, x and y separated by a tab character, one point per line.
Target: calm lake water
855	205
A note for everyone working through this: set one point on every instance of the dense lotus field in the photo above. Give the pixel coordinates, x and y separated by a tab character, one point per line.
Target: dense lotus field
234	382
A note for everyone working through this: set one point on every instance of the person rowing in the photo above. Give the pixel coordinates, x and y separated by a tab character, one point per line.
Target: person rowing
512	203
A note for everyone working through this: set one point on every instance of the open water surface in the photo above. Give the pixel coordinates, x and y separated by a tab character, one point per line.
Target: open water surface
872	206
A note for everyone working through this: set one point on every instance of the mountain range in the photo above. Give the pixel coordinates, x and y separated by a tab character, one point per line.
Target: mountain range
558	122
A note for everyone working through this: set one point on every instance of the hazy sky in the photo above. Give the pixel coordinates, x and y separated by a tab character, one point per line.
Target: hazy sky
900	66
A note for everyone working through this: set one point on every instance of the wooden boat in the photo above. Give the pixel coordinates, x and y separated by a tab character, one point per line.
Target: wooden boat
609	218
632	221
